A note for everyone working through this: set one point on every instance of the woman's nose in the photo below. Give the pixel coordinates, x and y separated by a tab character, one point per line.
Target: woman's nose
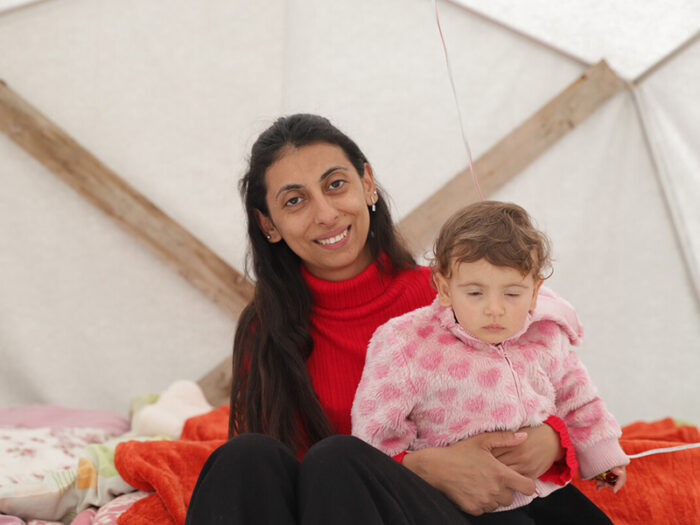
325	212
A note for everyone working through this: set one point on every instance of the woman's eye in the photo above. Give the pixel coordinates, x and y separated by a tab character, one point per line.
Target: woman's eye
293	201
336	184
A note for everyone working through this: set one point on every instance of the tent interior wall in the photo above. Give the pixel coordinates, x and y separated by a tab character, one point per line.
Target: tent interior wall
171	95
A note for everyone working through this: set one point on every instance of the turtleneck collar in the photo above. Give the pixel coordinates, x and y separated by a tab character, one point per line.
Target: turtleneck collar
360	290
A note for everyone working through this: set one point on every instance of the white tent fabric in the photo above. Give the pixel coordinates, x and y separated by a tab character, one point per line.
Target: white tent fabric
631	36
635	38
161	93
617	260
6	5
670	109
171	95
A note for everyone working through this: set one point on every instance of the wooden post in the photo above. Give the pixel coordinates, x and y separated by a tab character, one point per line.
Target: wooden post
513	153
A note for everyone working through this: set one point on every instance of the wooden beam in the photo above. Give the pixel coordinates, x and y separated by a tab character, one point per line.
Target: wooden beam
216	384
513	153
76	166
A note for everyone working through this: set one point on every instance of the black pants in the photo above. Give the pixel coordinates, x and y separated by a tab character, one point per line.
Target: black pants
254	479
566	506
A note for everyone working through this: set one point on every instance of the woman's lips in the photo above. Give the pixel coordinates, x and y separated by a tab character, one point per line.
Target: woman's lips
335	238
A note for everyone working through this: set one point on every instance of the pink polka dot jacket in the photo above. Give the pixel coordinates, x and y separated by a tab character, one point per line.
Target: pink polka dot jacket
428	383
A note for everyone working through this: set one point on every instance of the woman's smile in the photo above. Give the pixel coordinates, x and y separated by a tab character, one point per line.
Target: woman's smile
334	239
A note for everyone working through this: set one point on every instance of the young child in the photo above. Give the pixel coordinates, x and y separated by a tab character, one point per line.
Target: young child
491	353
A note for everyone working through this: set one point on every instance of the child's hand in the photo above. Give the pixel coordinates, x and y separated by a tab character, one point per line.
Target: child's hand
620	473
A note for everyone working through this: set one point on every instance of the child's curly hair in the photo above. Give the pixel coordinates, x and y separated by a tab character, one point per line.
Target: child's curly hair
500	232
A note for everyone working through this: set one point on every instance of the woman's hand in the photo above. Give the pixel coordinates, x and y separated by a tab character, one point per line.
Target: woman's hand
534	456
468	474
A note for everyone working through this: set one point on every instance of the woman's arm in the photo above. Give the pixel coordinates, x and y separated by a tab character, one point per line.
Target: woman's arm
469	474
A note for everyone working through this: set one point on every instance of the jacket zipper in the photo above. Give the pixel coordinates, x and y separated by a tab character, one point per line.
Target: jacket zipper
504	354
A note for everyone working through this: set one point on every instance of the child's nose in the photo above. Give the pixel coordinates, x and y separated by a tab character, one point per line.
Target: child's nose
494	306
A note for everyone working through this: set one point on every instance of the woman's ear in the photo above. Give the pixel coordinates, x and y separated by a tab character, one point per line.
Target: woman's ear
267	227
369	186
443	288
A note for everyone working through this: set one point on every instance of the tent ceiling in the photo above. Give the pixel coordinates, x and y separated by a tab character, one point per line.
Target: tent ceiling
6	5
630	35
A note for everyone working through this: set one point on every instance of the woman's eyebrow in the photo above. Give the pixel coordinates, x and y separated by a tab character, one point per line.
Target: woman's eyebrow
288	187
323	176
331	170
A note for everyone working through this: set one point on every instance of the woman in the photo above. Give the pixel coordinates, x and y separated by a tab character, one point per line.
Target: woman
330	269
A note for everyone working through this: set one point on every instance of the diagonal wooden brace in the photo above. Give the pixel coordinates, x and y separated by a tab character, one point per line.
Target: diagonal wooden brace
77	167
513	153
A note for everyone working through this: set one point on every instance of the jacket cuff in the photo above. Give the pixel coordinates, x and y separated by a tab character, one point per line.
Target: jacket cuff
601	457
399	457
561	471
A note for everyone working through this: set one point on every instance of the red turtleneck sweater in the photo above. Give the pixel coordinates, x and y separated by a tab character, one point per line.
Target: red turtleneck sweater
344	317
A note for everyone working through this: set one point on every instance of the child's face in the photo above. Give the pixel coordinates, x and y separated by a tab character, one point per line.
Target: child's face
490	302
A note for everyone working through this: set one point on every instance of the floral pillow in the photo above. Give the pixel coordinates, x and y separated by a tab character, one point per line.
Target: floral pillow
108	514
27	455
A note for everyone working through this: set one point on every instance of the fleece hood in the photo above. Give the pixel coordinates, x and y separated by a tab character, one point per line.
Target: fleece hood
550	308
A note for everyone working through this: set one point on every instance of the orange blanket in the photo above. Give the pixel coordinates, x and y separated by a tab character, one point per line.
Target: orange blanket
660	488
169	469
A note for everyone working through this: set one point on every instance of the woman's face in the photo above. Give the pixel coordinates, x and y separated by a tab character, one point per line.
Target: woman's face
318	204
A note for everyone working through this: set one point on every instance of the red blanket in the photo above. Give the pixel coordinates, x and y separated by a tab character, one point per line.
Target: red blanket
660	489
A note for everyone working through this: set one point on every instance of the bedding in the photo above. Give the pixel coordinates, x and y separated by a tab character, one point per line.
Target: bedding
11	520
58	463
170	469
56	416
105	515
108	514
87	467
660	488
49	456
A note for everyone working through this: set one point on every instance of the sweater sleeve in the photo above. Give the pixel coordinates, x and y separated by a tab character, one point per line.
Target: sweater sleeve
561	472
593	430
385	396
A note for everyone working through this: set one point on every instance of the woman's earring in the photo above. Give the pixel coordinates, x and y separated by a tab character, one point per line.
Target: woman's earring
373	198
268	236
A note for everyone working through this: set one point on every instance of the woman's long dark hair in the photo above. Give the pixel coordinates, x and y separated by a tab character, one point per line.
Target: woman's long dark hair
272	391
